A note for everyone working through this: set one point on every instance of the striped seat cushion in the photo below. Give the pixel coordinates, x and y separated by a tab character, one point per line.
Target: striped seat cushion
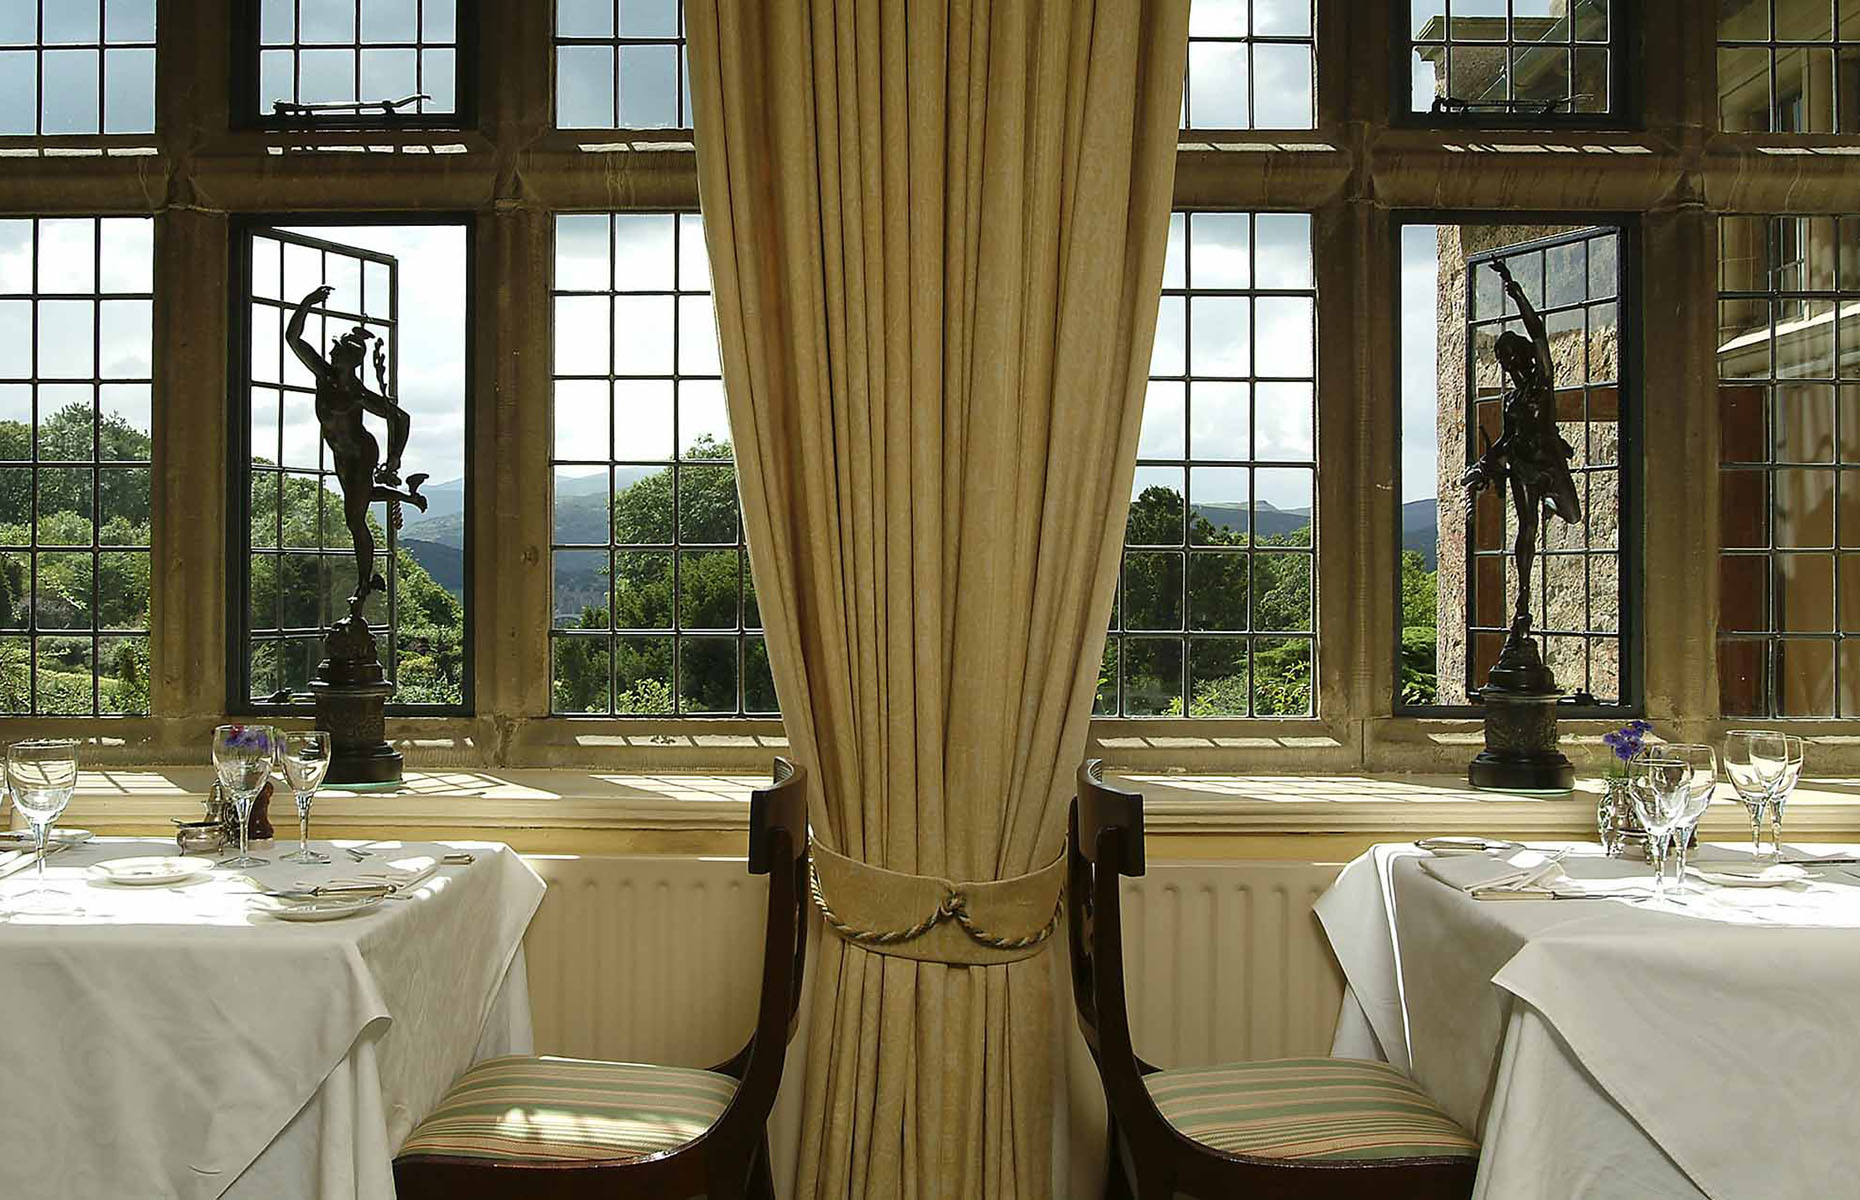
569	1109
1325	1109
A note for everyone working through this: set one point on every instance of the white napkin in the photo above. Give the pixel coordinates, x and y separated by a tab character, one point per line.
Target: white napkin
1483	872
402	874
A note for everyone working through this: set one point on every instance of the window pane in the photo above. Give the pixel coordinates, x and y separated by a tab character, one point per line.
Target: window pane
77	565
1249	70
679	565
1511	59
1800	76
1458	580
629	77
399	62
1206	523
1789	520
405	287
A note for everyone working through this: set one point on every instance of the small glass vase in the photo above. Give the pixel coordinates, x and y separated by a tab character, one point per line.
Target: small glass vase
1615	823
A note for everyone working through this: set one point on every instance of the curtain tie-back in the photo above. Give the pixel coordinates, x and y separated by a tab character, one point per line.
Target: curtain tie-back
932	919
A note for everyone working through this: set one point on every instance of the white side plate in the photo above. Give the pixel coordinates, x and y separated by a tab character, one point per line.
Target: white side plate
1749	875
148	872
324	908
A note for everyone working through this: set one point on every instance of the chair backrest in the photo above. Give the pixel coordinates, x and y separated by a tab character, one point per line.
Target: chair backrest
778	849
1104	843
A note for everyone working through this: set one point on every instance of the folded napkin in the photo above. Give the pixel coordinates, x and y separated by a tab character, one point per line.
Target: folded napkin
1484	872
402	875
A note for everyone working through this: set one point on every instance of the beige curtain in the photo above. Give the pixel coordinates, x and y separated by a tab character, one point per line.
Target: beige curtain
936	234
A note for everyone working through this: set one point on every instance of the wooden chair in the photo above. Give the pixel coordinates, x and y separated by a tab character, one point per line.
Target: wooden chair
1290	1129
543	1128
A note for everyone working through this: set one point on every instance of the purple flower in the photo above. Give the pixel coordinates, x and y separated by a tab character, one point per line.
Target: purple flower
249	738
1628	740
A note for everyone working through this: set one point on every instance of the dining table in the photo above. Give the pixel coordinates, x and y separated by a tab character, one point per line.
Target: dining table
1607	1045
183	1040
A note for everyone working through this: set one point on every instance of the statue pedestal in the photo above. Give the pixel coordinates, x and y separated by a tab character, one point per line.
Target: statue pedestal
351	691
1520	698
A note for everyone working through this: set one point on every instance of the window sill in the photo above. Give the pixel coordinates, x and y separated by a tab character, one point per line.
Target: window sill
566	808
526	807
1385	807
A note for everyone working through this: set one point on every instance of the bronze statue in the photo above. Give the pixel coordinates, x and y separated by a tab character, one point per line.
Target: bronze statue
1520	694
1529	454
341	399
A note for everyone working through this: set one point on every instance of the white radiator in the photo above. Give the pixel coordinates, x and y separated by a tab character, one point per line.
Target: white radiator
656	959
646	959
1224	962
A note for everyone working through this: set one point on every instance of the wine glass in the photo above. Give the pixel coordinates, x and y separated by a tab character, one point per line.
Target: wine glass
243	755
1659	788
1793	748
305	758
41	774
1756	761
1702	782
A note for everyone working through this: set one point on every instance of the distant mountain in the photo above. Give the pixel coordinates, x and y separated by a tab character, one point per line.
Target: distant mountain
580	509
446	564
1273	522
1420	529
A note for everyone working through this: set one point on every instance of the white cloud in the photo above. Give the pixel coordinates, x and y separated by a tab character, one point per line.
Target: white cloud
1420	302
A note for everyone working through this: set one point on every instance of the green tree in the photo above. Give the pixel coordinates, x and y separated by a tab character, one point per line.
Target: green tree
72	592
1420	607
1235	583
694	589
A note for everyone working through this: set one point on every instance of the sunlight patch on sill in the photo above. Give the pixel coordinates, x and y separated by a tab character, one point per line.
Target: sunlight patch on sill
1541	148
1218	741
1259	147
631	147
692	740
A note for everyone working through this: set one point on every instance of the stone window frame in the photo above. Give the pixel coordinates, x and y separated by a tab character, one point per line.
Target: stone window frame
514	170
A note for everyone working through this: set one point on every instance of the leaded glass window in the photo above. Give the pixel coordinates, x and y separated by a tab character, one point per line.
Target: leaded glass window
621	64
1789	66
655	610
75	349
1251	65
348	63
1789	447
404	288
1506	60
1215	614
1458	577
77	67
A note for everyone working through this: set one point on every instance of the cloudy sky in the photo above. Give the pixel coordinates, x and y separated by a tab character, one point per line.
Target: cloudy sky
1420	301
433	285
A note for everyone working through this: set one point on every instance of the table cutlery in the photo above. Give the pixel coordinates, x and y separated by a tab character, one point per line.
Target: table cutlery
1819	862
148	871
331	889
357	853
28	857
1540	894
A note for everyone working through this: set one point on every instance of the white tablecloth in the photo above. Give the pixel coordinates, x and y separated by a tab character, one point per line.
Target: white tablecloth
1613	1050
177	1042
